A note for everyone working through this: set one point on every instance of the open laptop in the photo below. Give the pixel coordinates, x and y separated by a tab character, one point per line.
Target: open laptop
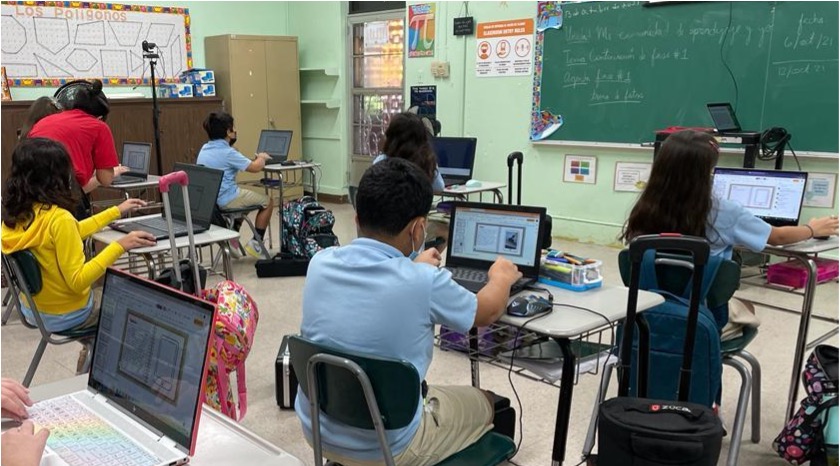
203	189
481	232
142	403
775	196
725	121
276	143
136	156
455	159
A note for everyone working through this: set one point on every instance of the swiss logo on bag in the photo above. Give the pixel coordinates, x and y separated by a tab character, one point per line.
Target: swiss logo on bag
654	408
235	325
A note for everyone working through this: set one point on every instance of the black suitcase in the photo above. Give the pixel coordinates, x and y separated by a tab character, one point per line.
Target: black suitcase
545	241
646	432
285	380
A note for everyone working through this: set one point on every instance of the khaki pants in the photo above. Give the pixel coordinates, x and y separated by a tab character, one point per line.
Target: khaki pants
463	415
247	198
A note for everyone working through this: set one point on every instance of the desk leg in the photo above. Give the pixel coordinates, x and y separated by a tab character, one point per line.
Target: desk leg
564	404
225	247
802	338
498	197
314	183
151	266
474	371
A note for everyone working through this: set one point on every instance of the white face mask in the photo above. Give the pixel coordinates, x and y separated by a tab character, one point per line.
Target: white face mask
416	251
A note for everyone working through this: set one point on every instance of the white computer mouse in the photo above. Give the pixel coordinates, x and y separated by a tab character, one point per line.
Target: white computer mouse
473	184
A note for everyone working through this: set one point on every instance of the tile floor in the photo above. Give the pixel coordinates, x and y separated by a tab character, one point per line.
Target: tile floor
279	301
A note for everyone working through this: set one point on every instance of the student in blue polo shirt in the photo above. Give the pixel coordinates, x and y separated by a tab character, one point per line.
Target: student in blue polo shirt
371	297
219	153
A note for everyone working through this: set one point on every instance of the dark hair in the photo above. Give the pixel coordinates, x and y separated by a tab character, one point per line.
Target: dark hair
41	173
391	193
407	138
217	125
678	195
41	107
91	100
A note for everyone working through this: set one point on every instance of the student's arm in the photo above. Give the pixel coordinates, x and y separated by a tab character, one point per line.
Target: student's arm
258	163
493	298
437	183
97	222
78	274
825	226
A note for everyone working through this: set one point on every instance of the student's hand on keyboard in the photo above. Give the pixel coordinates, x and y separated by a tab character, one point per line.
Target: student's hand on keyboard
22	446
131	205
429	256
504	271
15	399
120	169
137	239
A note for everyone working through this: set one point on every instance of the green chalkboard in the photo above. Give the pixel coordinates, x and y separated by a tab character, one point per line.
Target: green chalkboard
618	71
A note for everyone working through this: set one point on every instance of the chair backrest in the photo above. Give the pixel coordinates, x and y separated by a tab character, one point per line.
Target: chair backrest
395	382
24	274
351	192
674	279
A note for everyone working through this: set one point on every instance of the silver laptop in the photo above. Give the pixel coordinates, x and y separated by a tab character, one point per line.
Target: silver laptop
136	156
481	232
276	143
774	196
142	404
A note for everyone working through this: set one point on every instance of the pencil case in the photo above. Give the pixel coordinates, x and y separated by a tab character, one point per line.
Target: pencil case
571	276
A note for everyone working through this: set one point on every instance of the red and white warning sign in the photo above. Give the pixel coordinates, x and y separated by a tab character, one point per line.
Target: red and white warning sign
505	48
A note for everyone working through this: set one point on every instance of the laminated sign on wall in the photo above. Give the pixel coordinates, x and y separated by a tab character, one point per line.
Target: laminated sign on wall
505	48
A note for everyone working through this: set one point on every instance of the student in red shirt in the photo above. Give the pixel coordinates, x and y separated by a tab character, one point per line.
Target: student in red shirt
85	135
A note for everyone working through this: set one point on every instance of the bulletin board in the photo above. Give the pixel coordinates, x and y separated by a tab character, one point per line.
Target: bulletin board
48	43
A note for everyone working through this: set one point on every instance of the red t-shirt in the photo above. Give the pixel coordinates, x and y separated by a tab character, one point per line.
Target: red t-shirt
88	140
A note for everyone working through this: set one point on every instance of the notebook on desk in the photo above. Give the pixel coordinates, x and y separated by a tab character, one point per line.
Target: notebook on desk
142	403
774	196
481	232
276	143
136	156
204	185
455	159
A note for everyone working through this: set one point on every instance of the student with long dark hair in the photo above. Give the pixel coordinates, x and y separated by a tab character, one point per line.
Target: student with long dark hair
42	107
678	198
36	216
408	138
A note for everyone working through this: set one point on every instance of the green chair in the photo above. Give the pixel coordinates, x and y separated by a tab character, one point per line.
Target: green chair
24	276
374	393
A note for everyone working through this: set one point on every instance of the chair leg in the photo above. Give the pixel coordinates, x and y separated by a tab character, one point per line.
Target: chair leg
36	359
88	357
755	368
11	304
741	410
589	441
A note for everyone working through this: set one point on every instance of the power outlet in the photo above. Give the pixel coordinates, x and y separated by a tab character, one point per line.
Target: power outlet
440	69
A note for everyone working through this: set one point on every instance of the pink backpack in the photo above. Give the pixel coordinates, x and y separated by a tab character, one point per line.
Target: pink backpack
235	325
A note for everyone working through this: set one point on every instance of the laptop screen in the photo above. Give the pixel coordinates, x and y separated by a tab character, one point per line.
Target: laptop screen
150	353
455	156
136	156
203	189
276	143
724	118
479	233
774	196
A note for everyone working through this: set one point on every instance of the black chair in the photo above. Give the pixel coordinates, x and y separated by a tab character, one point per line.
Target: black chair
374	393
24	275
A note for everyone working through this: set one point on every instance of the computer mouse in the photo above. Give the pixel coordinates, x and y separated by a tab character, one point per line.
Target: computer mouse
473	184
527	306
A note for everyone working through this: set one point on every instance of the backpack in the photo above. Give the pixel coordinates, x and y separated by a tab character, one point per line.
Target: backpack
667	323
307	227
811	434
235	325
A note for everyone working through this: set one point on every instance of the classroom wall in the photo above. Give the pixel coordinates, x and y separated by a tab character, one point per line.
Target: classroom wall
497	112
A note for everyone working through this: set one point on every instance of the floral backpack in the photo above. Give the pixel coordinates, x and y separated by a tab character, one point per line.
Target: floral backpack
307	227
811	434
235	325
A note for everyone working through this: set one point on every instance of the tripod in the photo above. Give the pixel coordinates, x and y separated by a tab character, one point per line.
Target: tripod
148	53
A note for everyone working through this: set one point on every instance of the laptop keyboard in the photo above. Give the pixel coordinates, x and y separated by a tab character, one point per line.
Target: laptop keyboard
126	179
159	223
469	275
81	438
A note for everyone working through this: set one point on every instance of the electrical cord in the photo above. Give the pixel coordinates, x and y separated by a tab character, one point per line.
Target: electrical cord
795	158
726	65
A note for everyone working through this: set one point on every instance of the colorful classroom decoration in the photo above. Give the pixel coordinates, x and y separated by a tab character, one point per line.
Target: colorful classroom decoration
421	30
504	48
48	43
580	169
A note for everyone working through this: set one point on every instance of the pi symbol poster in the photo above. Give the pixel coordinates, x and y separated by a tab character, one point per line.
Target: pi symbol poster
505	48
421	30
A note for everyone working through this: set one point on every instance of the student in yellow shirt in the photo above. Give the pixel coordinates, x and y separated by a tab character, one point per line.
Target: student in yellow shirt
37	205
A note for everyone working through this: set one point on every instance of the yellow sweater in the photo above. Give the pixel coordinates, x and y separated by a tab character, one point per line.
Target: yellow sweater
55	237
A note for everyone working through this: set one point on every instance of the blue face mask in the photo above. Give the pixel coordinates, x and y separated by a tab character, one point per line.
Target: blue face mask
416	252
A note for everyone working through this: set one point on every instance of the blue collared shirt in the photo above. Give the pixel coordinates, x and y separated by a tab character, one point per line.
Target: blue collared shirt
368	297
732	225
437	182
218	154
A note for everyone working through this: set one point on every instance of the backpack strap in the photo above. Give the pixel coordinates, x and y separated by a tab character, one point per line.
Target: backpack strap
241	390
649	281
709	274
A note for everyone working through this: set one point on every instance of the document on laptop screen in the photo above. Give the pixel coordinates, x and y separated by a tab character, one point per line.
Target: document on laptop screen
485	234
766	194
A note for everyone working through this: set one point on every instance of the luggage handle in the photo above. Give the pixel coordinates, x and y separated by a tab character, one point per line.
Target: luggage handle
515	156
699	249
181	178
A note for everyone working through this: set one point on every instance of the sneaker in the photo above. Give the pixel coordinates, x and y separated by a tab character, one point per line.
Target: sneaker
235	249
256	249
